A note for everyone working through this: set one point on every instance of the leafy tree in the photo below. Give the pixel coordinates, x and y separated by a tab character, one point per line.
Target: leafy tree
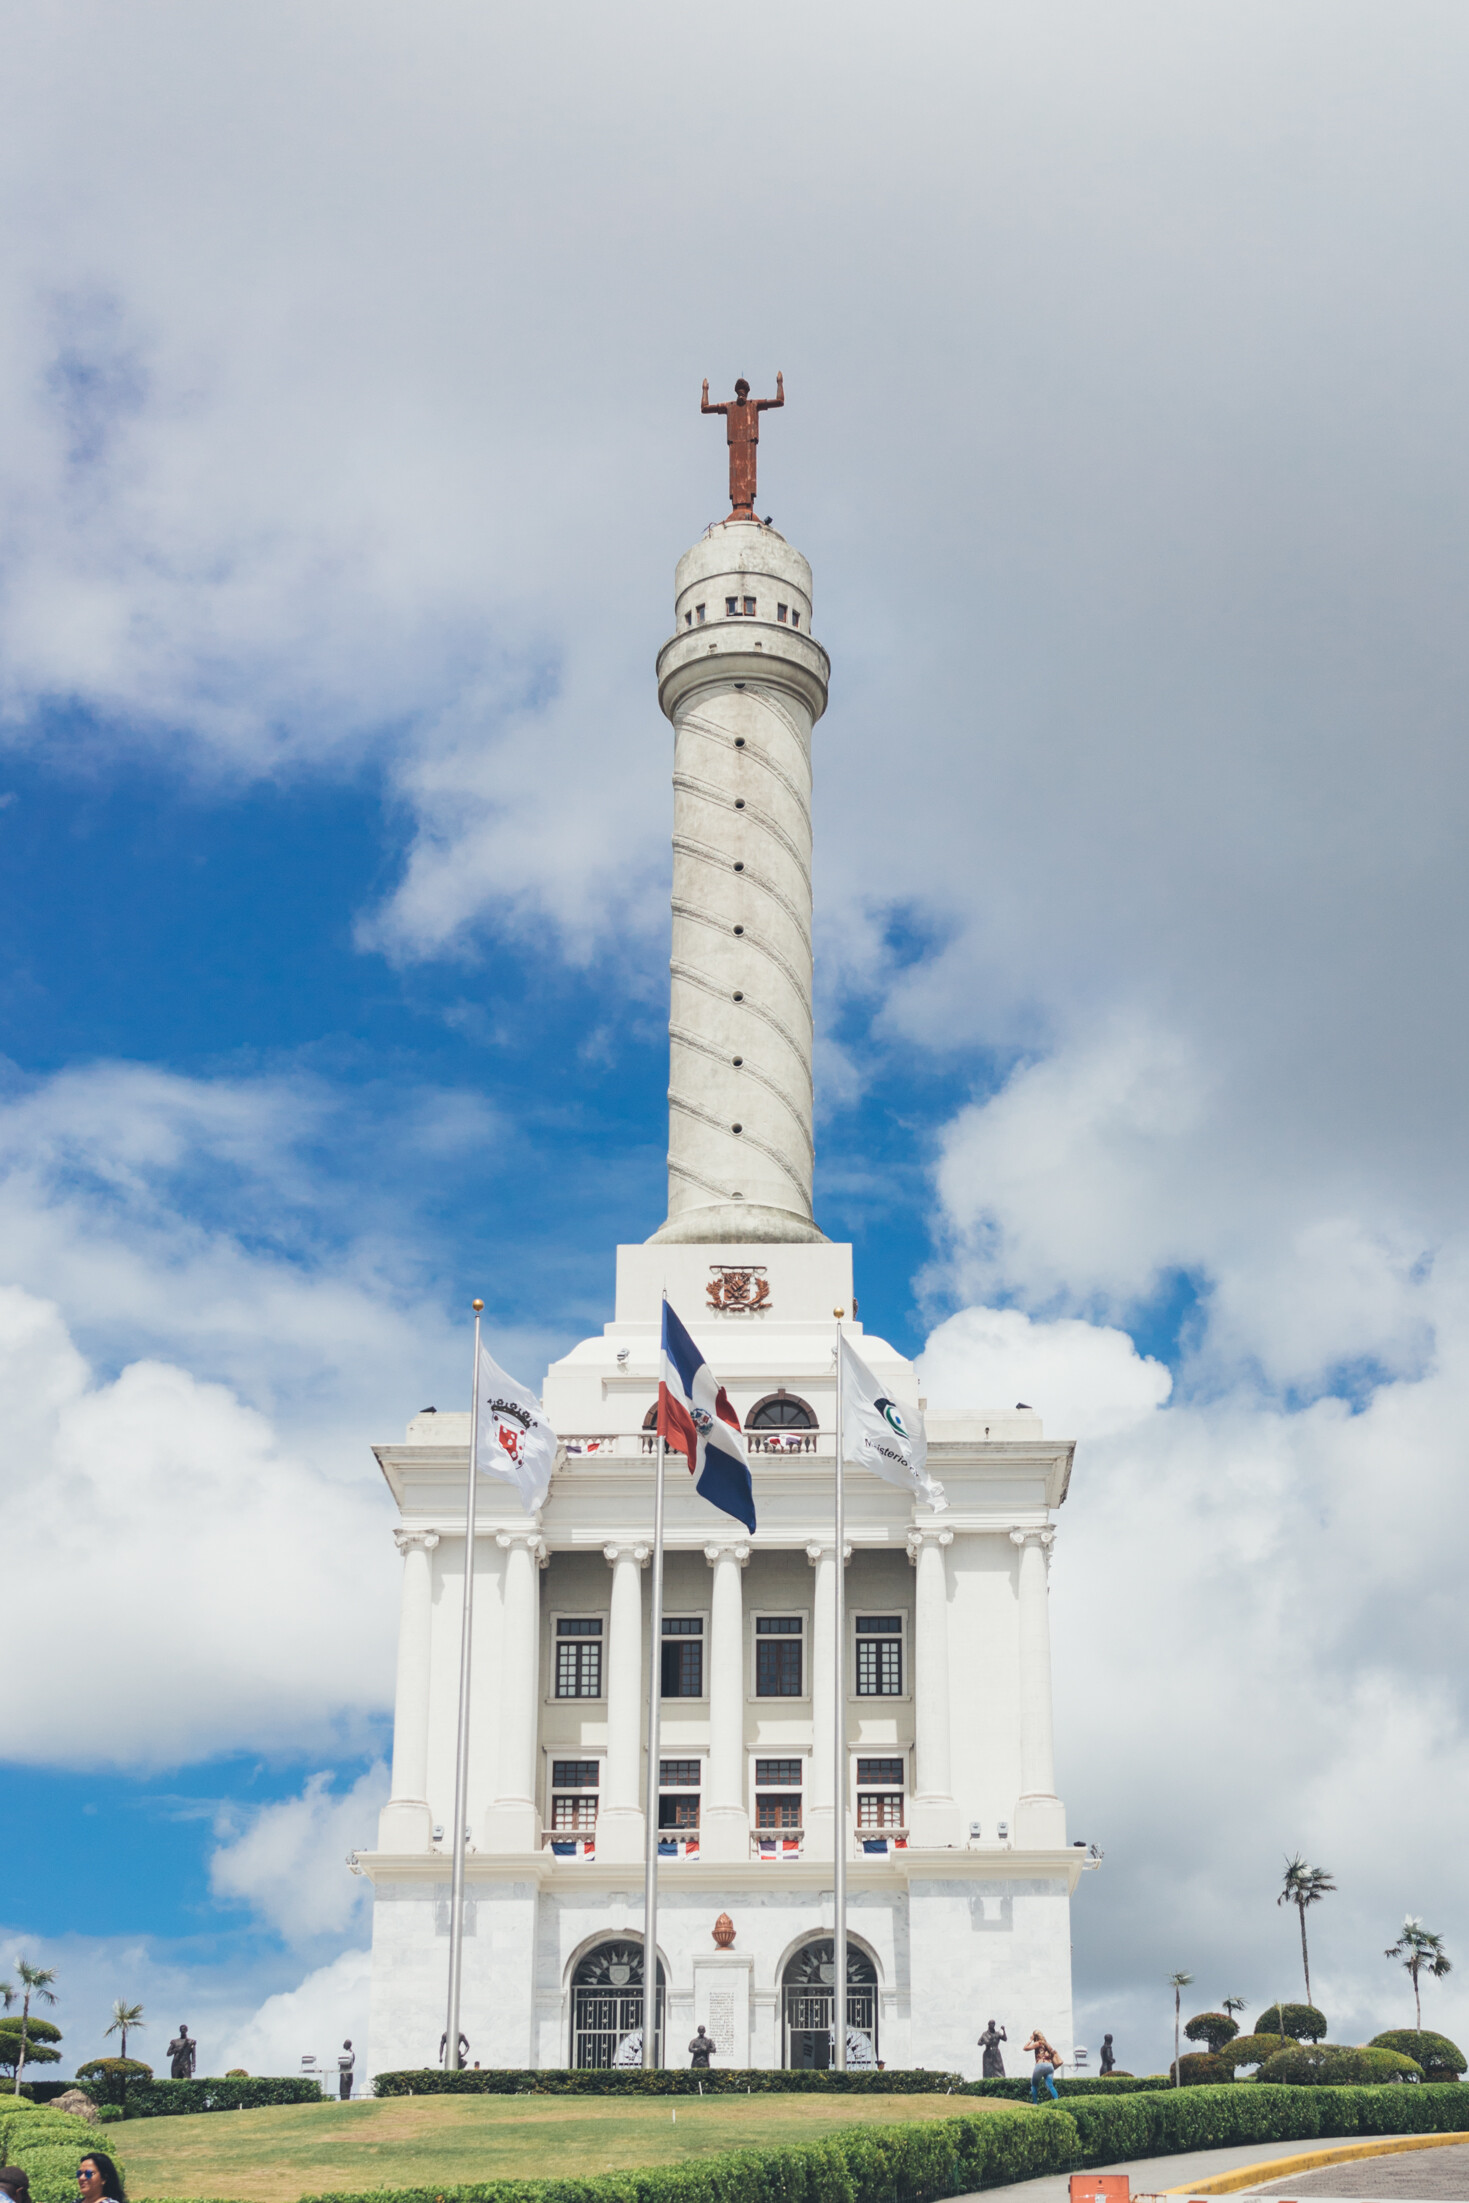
1440	2059
35	1981
108	2078
1303	2021
1254	2049
1304	1885
40	2035
1337	2065
1421	1951
1214	2028
125	2017
1177	1983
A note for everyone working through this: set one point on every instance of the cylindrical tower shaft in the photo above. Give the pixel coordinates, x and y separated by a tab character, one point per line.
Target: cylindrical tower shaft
743	683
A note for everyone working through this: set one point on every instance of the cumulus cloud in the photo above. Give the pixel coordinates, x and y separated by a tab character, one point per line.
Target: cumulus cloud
287	1861
1086	1381
329	2007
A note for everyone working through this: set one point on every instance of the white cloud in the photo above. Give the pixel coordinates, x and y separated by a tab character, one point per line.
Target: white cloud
326	2009
1084	1380
287	1861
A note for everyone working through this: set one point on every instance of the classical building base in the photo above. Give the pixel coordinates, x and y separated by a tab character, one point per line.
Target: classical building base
933	1824
1040	1824
405	1824
725	1833
620	1835
512	1825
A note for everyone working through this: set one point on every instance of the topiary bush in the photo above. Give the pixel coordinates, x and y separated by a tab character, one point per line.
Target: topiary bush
1338	2065
166	2099
1302	2021
1254	2049
1200	2069
41	2037
47	2145
1214	2028
1440	2059
561	2080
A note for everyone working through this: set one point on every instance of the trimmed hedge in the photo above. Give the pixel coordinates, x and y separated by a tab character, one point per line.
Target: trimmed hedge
174	2099
1339	2065
1255	2049
676	2080
1440	2059
1303	2021
1017	2087
48	2145
947	2157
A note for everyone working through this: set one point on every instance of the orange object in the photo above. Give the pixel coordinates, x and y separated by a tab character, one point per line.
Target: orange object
1100	2187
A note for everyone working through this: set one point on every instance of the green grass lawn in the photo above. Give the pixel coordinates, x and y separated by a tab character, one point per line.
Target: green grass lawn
302	2149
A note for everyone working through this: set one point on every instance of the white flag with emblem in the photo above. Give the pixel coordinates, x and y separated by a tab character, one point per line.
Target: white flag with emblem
879	1435
516	1443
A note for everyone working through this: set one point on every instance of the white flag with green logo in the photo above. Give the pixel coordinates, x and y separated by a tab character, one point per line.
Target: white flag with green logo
879	1435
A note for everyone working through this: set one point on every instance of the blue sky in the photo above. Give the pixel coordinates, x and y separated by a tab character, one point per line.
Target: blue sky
348	437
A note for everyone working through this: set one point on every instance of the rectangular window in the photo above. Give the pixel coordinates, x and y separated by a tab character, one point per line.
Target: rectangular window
574	1794
778	1656
795	617
688	619
772	1774
780	613
683	1656
777	1809
732	608
681	1809
578	1658
879	1656
699	611
749	608
880	1793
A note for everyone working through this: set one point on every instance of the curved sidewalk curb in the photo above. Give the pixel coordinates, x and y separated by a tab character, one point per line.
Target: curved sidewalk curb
1255	2176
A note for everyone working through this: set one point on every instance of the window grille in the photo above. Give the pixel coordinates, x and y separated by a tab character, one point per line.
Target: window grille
578	1658
778	1656
879	1656
574	1794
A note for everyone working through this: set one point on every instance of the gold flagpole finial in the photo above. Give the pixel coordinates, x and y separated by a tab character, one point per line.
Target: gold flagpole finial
477	1306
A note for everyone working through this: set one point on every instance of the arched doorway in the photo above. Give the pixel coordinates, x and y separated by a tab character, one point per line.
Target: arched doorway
806	2002
607	2003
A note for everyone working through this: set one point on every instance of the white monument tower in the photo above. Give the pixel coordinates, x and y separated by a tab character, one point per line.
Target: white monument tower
959	1872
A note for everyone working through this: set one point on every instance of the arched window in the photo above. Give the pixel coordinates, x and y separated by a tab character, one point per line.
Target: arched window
781	1423
806	1999
607	2007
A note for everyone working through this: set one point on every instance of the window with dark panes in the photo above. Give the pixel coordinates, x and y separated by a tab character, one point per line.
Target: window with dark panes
778	1793
681	1777
778	1655
879	1655
574	1794
880	1793
749	608
578	1657
683	1656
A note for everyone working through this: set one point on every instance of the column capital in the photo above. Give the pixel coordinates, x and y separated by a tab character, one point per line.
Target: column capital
612	1554
415	1540
917	1539
739	1554
817	1552
1043	1536
524	1541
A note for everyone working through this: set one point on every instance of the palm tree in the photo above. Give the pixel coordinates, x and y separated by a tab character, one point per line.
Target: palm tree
1231	2004
1421	1952
125	2016
35	1981
1177	1983
1304	1885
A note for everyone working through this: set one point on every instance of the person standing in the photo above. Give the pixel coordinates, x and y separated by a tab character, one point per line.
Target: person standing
346	2061
98	2179
701	2050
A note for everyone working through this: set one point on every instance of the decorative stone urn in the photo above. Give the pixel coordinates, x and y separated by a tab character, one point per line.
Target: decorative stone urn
724	1931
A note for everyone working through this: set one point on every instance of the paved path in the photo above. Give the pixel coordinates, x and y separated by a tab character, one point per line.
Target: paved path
1150	2175
1437	2175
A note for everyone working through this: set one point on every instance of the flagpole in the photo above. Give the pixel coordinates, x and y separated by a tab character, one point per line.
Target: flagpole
461	1758
839	1741
650	1796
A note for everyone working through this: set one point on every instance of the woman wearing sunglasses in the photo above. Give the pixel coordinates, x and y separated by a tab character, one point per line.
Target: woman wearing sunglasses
98	2180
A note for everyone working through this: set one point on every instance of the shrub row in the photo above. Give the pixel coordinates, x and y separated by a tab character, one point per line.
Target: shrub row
560	2080
1017	2088
48	2144
172	2099
946	2157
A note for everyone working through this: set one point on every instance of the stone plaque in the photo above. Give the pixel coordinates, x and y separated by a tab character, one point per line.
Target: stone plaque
721	2020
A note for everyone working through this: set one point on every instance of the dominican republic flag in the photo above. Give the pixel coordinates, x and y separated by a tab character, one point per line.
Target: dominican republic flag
694	1415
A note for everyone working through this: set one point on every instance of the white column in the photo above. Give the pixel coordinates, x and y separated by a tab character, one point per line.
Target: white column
516	1822
933	1816
724	1831
1040	1817
620	1814
820	1795
406	1822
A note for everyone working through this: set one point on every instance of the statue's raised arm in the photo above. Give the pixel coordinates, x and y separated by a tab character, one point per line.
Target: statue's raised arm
768	405
705	406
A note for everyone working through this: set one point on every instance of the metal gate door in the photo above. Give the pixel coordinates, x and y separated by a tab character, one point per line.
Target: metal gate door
603	2017
808	2009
